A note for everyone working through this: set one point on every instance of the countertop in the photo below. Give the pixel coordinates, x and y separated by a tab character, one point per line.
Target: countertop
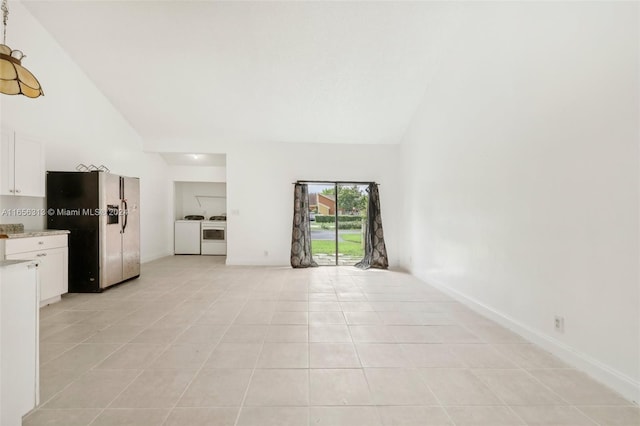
8	263
29	234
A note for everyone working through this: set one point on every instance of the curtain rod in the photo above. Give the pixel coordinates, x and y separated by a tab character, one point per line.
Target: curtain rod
335	182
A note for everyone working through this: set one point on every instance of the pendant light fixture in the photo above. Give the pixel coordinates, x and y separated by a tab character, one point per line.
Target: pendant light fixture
14	78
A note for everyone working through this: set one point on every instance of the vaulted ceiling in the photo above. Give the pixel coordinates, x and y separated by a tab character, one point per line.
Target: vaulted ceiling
322	72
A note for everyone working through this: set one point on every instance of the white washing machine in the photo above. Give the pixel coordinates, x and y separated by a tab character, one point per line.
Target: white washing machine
186	237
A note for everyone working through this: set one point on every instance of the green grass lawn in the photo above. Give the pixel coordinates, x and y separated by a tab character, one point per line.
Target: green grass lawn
352	246
352	238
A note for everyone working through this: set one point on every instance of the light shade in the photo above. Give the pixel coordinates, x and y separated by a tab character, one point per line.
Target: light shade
14	78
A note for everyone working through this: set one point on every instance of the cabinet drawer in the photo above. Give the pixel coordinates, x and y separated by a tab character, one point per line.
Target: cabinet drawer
24	245
53	270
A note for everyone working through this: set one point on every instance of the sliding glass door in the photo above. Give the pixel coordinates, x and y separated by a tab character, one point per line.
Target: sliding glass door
351	217
322	206
338	213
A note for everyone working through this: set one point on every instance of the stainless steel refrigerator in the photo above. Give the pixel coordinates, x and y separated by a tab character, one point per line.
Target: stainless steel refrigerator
102	212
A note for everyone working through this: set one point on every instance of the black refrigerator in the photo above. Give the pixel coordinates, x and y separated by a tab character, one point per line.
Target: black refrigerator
101	211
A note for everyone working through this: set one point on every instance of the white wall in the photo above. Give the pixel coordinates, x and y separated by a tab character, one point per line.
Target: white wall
521	175
200	198
78	124
260	193
197	173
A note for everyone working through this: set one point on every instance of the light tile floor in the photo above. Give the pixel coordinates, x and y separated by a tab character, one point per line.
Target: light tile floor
193	342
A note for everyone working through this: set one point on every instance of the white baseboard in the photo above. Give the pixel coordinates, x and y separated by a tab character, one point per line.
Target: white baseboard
252	261
603	373
257	261
154	256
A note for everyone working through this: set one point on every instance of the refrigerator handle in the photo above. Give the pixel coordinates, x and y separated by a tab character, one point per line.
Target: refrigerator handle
126	215
121	188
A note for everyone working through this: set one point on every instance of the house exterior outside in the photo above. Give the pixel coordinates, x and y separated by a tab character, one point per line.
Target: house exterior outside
326	204
313	202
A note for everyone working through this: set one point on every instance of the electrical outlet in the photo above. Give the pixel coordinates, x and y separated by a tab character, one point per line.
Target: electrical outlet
559	324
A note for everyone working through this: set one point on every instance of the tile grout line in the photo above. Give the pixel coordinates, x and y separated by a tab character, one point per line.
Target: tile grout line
470	369
141	370
440	405
246	391
571	405
379	292
421	379
213	348
255	366
42	404
521	368
355	348
231	323
40	407
509	406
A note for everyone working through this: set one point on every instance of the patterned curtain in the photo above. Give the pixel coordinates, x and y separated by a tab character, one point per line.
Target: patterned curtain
301	234
375	251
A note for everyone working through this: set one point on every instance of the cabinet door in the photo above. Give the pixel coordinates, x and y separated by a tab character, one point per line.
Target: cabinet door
29	167
53	270
59	271
6	162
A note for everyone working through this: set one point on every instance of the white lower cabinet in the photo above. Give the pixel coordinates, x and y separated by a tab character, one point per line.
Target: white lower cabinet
53	270
19	315
52	254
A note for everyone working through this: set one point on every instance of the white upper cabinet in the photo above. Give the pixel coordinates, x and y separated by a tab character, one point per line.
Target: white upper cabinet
29	167
22	163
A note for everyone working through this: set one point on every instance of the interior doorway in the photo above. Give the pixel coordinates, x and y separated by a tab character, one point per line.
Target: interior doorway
338	212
